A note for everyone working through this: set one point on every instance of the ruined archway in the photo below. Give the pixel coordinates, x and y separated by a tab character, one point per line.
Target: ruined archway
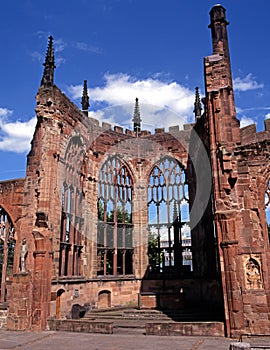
7	246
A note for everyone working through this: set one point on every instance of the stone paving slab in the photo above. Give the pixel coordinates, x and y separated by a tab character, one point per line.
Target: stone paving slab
82	341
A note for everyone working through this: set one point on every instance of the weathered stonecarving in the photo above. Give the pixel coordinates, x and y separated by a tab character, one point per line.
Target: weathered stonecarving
84	211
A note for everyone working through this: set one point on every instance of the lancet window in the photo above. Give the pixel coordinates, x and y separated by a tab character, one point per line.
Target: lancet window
71	232
169	247
72	239
115	228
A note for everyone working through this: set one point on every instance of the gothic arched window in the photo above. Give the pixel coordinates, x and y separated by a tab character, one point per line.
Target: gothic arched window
169	246
267	207
72	239
7	246
114	237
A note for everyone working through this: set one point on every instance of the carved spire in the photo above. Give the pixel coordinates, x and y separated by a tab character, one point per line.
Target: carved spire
218	27
48	74
85	98
137	117
197	104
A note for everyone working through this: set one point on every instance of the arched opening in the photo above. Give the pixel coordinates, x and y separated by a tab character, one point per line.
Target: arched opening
72	239
58	302
104	299
7	246
115	227
169	248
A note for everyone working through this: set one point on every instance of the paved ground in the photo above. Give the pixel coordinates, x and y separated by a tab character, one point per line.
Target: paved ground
82	341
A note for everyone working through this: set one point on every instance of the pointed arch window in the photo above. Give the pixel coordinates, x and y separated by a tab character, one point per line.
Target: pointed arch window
72	237
115	228
169	246
7	246
267	207
71	240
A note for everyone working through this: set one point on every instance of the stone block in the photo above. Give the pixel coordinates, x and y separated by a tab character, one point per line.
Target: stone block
239	346
185	328
81	326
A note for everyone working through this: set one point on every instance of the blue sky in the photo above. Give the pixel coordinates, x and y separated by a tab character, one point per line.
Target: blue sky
150	49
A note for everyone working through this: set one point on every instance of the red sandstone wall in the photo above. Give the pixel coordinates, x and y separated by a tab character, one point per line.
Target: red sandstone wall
240	165
11	199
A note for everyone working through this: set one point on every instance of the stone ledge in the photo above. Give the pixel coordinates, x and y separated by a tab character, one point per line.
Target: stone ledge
81	326
185	328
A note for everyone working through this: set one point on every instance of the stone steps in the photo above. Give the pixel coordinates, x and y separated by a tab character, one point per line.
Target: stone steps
169	315
134	321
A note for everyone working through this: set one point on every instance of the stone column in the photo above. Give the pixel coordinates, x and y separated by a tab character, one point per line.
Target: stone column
41	281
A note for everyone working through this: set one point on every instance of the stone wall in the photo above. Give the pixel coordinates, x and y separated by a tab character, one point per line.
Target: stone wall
97	294
185	328
81	326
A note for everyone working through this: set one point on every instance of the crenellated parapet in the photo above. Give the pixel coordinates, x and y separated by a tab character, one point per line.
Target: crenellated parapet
250	135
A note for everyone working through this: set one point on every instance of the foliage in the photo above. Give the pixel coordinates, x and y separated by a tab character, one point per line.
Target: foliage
153	255
122	216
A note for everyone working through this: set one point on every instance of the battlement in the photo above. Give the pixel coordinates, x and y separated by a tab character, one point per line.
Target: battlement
249	133
143	133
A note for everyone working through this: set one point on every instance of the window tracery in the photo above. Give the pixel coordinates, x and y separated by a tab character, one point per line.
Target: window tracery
168	217
115	228
71	236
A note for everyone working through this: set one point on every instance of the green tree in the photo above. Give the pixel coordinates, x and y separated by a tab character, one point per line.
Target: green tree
153	254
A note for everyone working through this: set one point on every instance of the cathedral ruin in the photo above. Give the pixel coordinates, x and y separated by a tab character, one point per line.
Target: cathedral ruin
170	219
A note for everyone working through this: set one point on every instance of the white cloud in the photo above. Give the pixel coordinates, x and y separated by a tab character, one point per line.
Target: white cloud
86	47
245	121
246	83
36	56
4	112
15	136
59	45
161	103
267	116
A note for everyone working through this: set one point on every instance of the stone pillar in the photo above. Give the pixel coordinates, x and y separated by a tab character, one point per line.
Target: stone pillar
41	282
239	346
19	315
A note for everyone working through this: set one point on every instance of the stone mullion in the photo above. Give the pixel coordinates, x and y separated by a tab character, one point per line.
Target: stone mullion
140	228
90	227
115	228
62	257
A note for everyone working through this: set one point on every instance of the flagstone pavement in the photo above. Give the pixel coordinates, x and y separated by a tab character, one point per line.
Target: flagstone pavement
49	340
